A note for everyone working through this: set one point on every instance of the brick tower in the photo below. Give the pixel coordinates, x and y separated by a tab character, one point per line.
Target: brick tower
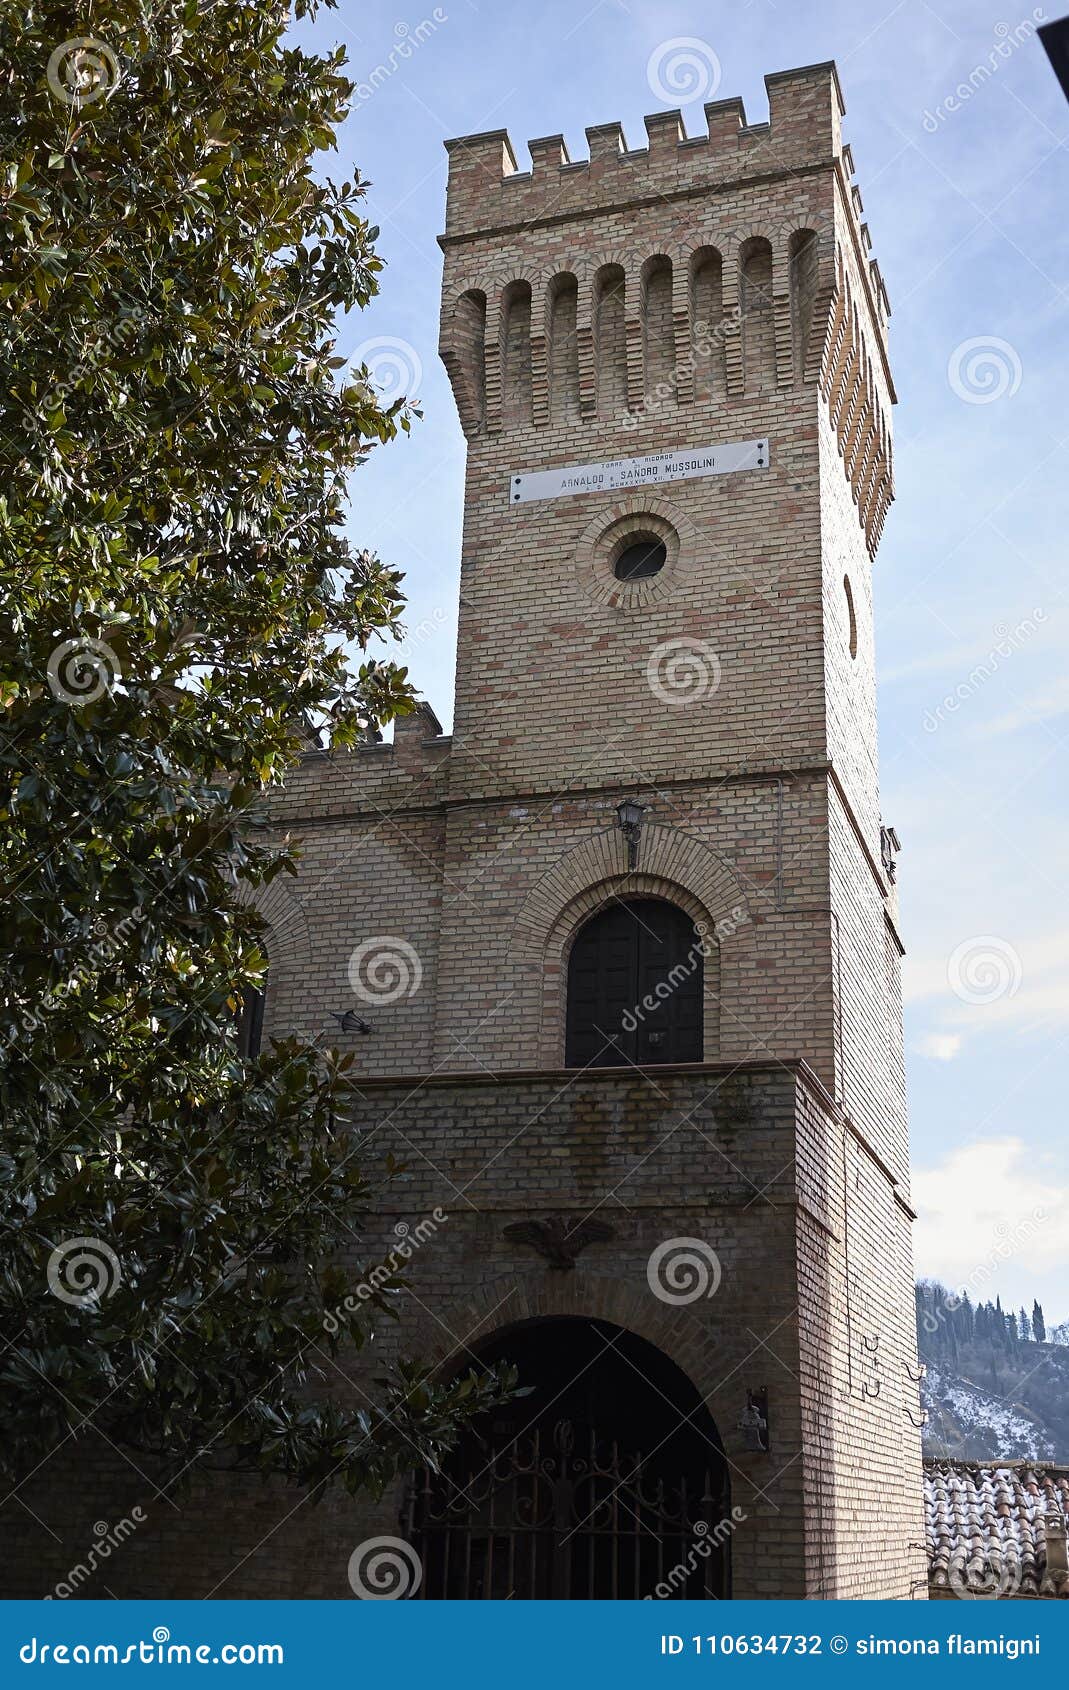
627	941
683	348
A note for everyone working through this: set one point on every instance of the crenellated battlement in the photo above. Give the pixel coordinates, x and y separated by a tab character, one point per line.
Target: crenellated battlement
696	273
488	190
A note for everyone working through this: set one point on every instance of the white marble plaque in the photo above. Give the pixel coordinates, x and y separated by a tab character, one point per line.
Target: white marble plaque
626	474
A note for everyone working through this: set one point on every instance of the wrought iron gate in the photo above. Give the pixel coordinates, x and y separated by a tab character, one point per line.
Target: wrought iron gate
561	1513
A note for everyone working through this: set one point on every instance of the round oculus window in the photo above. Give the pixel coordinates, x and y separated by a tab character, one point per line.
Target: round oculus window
640	559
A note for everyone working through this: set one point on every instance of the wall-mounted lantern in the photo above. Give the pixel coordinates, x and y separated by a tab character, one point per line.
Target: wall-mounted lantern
890	845
753	1421
350	1022
629	818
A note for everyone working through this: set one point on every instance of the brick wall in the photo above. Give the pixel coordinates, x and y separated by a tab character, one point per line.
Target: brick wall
742	1161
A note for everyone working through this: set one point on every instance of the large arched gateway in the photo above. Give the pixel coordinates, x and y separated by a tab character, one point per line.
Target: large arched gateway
607	1481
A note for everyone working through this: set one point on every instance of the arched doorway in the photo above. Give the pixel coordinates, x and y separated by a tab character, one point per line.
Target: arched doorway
635	987
608	1481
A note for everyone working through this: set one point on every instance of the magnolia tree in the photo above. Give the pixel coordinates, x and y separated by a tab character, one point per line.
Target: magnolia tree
178	598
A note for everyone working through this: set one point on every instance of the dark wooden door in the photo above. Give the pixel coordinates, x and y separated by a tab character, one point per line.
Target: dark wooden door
635	987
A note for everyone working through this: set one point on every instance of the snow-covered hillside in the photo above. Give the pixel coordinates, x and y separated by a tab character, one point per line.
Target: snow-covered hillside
998	1380
973	1424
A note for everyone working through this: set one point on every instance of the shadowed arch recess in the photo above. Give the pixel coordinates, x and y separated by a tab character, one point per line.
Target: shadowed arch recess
596	1485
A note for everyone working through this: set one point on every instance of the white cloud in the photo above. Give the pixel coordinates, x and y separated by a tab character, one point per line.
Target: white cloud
987	1208
941	1047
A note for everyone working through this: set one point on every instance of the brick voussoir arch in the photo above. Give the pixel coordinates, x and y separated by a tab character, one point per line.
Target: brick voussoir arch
597	869
673	865
289	941
635	885
692	1340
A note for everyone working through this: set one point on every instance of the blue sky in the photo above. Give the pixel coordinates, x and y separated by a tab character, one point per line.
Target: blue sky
966	197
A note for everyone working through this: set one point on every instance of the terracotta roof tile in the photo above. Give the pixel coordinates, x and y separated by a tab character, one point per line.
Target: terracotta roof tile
987	1528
